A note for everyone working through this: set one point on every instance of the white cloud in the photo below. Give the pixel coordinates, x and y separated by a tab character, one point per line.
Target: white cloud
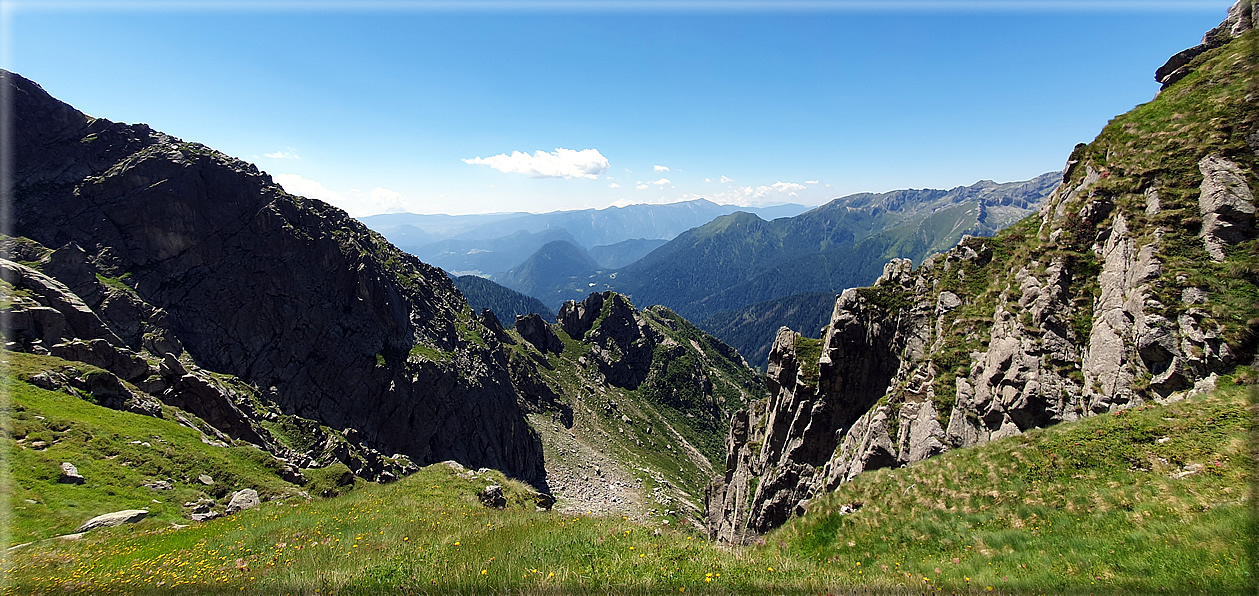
641	186
287	154
660	168
725	180
661	182
561	163
614	185
788	187
810	181
753	195
310	189
356	202
387	200
708	180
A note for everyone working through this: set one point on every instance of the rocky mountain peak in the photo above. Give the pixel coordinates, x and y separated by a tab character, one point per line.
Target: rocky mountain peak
622	339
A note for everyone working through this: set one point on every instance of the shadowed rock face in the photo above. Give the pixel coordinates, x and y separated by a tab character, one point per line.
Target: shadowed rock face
278	290
535	331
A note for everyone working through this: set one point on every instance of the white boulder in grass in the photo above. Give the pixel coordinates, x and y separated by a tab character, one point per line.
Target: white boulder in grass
245	498
69	474
109	520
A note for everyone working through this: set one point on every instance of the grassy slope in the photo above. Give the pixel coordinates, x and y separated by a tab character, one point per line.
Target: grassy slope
1091	505
98	441
1086	506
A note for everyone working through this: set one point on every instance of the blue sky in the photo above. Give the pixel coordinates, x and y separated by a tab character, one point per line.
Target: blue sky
418	106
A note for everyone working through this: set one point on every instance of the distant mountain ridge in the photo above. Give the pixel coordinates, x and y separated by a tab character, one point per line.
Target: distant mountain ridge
740	259
615	256
489	256
750	328
488	244
547	273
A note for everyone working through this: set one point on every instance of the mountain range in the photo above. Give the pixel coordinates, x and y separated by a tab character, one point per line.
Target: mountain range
491	244
734	267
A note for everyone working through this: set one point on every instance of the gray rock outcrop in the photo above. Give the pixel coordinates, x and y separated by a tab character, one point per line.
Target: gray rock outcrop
246	498
1227	205
493	497
103	387
622	342
69	474
1241	18
537	332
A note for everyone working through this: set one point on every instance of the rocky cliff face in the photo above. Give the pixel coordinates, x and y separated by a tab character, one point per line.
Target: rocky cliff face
1136	281
149	252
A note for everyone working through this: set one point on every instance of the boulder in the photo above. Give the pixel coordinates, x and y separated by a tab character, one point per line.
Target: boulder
216	403
291	473
69	474
109	520
245	498
207	516
493	496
